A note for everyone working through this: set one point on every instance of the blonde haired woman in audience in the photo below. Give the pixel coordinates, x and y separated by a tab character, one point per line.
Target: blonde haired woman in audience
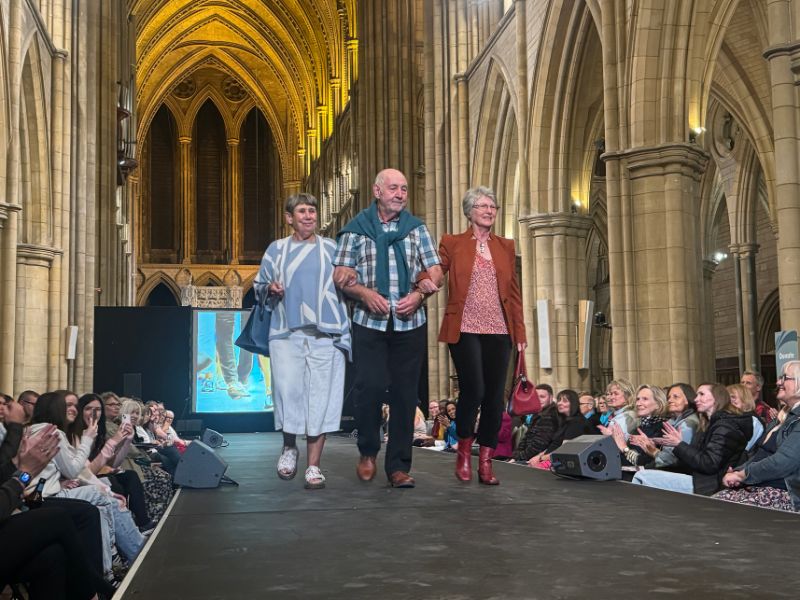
742	399
683	417
651	414
620	397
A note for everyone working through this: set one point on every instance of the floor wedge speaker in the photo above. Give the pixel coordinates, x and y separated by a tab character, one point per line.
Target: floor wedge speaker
200	467
212	438
589	456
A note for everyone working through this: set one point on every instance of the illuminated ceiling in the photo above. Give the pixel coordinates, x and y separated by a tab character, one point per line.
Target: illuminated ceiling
296	58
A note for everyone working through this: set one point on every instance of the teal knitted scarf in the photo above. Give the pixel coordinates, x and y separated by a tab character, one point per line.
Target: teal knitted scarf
368	223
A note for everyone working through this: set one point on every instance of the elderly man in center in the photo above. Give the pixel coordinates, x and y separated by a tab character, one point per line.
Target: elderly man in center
380	252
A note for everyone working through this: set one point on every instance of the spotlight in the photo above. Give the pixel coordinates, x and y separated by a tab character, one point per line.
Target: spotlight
601	321
719	256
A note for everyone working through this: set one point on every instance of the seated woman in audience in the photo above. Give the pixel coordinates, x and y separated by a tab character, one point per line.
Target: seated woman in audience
601	405
620	397
651	412
157	482
421	437
718	444
742	398
60	408
570	424
771	476
683	417
107	455
172	436
450	437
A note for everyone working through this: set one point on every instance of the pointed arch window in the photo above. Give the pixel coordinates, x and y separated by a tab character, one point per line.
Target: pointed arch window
261	201
210	160
162	197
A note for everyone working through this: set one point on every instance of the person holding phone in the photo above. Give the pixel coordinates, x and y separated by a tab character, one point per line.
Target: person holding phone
309	337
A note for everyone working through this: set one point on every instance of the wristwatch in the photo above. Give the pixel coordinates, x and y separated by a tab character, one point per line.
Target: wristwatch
23	476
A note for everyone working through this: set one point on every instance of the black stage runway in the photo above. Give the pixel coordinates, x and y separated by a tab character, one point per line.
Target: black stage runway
534	536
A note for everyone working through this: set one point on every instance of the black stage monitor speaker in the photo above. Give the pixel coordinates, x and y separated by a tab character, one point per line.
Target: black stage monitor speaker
200	467
590	456
212	438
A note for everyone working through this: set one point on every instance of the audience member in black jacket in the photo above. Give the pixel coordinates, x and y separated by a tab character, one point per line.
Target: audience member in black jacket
570	424
719	443
651	412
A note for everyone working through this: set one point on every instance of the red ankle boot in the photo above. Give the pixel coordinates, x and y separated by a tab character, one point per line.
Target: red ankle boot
485	474
463	459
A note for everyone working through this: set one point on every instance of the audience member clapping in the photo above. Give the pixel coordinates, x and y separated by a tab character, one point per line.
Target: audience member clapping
651	414
718	444
683	417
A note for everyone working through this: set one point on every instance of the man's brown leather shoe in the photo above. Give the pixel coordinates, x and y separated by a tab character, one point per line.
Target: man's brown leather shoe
366	468
398	479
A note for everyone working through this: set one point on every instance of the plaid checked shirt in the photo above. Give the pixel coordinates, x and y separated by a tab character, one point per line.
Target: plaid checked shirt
360	253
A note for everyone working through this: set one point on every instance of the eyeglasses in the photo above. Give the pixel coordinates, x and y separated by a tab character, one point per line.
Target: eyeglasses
486	207
112	404
784	378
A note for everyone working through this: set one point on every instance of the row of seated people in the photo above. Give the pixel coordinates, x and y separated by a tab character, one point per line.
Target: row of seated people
714	440
83	481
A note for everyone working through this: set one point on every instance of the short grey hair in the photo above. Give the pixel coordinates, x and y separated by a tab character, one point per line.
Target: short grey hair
757	375
296	200
473	194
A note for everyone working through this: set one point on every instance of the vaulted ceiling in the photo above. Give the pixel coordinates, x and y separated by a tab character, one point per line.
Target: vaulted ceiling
295	58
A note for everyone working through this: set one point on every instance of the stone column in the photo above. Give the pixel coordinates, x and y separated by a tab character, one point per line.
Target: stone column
186	187
747	259
387	122
654	262
709	350
32	348
783	56
560	249
237	225
9	218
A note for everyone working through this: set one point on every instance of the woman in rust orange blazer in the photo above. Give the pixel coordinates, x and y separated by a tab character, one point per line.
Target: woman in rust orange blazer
482	320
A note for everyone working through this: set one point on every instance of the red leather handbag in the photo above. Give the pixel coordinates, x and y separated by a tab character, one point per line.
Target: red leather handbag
523	399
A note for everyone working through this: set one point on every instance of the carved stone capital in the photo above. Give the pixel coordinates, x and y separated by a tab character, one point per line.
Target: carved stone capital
6	210
36	255
686	159
551	224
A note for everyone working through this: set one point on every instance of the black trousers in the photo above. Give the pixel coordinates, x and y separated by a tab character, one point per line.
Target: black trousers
388	366
41	548
86	519
128	484
481	362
